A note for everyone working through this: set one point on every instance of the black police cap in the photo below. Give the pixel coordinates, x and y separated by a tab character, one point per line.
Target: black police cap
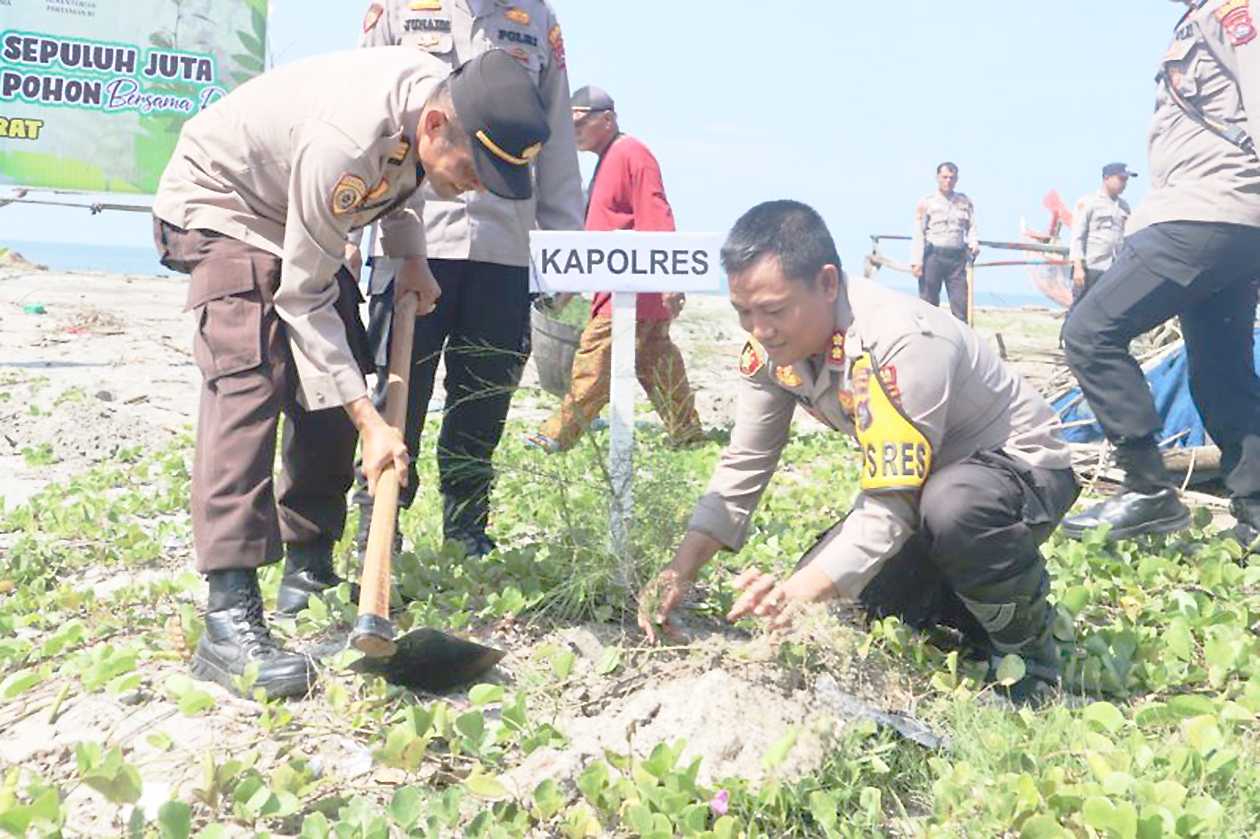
502	111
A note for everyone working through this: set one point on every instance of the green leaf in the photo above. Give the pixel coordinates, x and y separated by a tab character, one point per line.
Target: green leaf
1191	705
609	661
472	725
1203	734
175	820
1011	670
562	663
482	695
406	807
776	754
1043	827
486	787
1075	599
1104	715
20	682
1178	639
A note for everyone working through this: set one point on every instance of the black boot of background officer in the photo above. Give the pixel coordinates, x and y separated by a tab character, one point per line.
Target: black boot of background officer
1147	504
308	569
1203	273
237	636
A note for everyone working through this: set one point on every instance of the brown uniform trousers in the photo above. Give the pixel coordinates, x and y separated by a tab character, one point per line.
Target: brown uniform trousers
241	515
659	365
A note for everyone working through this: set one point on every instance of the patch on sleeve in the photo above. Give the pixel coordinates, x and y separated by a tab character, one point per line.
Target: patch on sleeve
372	17
895	454
752	359
556	38
350	192
1235	18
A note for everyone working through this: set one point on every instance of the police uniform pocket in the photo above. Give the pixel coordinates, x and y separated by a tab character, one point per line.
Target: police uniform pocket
224	295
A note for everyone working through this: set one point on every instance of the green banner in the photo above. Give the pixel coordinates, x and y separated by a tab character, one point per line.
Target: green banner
93	93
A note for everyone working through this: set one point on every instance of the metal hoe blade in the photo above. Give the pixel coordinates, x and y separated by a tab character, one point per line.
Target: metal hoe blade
432	661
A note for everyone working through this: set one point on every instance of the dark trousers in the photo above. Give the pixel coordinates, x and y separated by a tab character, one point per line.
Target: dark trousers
481	329
974	562
240	516
1205	273
948	267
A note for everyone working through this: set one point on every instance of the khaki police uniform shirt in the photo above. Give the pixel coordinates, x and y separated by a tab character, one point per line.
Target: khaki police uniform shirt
1196	175
944	223
294	160
950	385
485	227
1098	229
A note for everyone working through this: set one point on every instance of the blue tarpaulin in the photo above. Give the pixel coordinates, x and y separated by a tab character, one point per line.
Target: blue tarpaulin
1167	378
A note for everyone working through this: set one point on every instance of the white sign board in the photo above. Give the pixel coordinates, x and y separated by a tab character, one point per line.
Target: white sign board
625	260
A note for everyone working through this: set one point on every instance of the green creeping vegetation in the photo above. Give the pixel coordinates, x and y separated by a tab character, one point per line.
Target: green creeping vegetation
1156	735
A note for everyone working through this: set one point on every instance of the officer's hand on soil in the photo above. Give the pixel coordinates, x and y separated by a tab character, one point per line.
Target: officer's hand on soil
657	601
382	445
414	277
779	603
917	271
674	302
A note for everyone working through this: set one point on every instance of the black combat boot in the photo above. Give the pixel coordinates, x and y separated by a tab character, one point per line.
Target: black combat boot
1147	504
1247	527
236	636
464	523
1019	621
308	569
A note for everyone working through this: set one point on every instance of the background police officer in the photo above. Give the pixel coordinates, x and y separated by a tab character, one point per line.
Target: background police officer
945	238
963	474
1098	229
1191	252
479	253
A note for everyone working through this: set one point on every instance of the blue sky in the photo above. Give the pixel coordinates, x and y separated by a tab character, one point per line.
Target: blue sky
848	106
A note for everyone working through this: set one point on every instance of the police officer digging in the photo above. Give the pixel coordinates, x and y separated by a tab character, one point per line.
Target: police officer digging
1098	225
479	253
963	474
256	205
945	238
1191	253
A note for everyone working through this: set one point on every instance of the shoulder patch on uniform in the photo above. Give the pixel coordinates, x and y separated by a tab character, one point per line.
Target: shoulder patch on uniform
519	16
349	192
786	376
895	454
556	38
753	358
1235	19
372	17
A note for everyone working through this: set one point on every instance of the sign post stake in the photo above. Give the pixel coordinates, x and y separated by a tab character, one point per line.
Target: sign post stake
625	263
621	428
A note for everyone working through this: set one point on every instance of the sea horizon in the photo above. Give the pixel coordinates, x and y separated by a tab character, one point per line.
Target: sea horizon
138	261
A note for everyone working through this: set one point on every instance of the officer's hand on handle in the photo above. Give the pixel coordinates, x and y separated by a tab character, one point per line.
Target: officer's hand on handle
1078	276
917	271
414	277
674	302
383	445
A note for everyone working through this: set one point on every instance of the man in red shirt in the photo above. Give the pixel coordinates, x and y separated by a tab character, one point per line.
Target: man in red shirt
626	193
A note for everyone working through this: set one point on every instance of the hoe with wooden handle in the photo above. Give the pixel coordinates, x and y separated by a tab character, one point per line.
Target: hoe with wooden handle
424	658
